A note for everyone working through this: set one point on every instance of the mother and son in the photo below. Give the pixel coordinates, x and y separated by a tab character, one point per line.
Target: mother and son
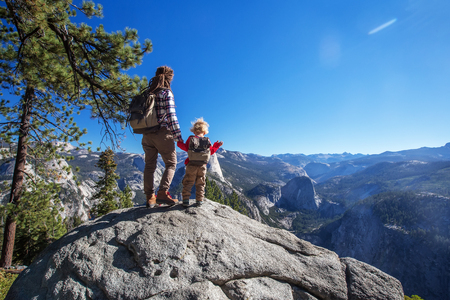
163	140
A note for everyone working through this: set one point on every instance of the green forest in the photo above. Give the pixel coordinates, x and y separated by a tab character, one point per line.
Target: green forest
417	214
213	192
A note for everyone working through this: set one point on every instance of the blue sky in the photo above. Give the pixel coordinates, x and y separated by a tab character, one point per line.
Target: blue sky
317	76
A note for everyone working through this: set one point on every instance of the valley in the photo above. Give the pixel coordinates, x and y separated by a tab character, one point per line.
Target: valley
390	210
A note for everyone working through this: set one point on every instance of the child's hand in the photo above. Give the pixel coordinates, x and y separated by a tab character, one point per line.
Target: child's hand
181	145
220	143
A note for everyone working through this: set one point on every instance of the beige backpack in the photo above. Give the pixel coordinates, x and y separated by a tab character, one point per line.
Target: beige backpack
142	115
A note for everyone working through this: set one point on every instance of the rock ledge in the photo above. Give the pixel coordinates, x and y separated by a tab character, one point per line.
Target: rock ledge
210	252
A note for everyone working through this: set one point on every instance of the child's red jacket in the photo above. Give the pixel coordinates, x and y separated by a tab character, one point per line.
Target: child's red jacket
185	147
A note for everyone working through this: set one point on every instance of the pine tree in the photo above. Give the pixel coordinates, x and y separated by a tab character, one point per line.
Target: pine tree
235	203
72	222
39	221
213	192
413	297
108	197
56	68
38	218
126	198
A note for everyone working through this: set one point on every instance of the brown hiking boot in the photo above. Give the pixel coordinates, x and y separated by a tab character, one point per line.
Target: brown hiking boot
164	197
151	201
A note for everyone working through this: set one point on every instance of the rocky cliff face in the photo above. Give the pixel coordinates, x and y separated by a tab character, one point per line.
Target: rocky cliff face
418	255
265	196
245	171
295	195
75	196
211	252
299	194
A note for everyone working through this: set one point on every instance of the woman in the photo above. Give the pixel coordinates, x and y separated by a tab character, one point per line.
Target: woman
162	140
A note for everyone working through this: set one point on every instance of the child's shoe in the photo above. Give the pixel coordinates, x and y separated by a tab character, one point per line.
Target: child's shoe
198	203
185	202
164	197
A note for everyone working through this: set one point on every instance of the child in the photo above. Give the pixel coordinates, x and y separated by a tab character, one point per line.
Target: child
199	150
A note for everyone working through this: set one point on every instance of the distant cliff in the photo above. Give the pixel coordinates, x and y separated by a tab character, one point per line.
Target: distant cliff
404	234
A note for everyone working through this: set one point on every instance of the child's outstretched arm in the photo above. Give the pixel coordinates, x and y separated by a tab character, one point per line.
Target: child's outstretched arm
216	147
183	146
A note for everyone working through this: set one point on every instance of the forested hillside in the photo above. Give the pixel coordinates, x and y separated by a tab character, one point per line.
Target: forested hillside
405	234
431	177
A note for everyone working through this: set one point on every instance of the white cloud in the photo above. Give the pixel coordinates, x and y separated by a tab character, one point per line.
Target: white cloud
383	26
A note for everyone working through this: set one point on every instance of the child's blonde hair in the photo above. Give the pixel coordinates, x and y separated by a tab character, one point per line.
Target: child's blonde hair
199	127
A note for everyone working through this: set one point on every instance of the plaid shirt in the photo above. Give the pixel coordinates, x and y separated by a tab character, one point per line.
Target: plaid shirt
165	110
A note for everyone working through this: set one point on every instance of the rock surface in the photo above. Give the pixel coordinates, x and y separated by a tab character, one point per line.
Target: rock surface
299	194
265	196
207	252
364	281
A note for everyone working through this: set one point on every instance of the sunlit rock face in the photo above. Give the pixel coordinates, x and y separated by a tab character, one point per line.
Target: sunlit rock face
299	194
266	196
207	252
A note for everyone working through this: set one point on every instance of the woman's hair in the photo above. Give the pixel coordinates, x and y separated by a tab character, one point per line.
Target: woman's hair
162	79
199	126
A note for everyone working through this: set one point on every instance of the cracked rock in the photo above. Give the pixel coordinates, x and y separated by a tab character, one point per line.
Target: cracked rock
207	252
263	288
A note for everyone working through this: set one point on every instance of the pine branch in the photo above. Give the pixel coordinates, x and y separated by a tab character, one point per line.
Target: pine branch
29	176
55	125
10	123
70	56
107	127
23	41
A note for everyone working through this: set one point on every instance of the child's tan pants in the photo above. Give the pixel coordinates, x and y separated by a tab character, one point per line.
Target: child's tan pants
197	175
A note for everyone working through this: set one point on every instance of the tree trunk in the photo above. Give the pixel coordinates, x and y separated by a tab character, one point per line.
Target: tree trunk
18	178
